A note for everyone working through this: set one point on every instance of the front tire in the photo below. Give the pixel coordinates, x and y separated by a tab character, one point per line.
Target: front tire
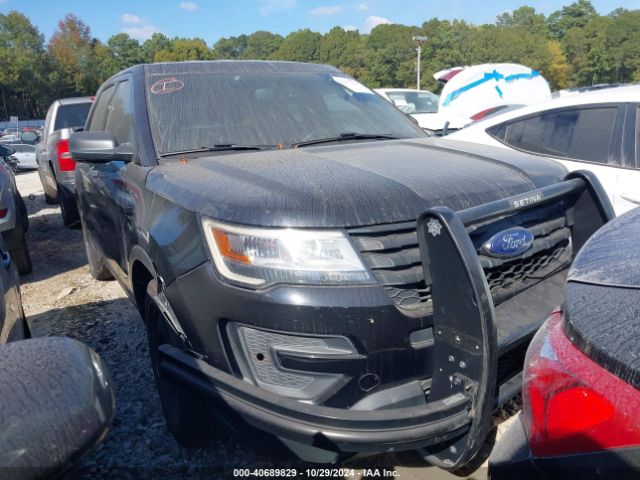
187	415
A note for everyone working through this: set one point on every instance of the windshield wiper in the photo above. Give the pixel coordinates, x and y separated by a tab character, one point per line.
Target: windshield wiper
220	147
345	137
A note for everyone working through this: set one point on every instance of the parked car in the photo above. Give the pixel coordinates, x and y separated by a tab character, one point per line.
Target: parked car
14	219
472	93
10	138
595	130
56	404
25	156
420	104
55	164
581	398
262	217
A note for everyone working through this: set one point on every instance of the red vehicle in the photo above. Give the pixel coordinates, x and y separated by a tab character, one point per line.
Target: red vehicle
581	397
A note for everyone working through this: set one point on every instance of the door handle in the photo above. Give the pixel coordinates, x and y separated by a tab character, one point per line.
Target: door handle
630	197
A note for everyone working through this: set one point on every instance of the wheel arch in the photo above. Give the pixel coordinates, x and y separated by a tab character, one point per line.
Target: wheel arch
142	271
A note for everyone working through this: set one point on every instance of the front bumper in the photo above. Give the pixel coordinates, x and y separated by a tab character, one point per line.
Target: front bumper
326	428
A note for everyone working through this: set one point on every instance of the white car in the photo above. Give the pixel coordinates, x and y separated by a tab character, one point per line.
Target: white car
595	130
26	156
420	104
9	138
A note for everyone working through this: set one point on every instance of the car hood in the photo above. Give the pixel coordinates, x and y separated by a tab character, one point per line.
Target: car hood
348	185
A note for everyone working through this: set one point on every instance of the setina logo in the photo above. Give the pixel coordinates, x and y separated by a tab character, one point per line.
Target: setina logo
509	243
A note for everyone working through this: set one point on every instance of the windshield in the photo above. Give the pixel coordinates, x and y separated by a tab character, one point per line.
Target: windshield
72	115
408	101
200	110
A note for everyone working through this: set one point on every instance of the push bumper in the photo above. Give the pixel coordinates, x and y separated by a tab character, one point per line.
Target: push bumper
326	428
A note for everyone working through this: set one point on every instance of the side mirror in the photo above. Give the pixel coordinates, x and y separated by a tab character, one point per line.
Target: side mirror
29	137
56	404
98	147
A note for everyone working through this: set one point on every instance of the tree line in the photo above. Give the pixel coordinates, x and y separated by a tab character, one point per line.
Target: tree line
573	46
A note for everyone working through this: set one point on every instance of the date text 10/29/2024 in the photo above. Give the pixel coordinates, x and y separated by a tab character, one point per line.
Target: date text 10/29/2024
309	473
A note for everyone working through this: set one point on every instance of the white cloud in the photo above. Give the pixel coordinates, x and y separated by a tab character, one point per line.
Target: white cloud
137	27
363	7
268	7
316	12
372	22
350	28
190	6
130	18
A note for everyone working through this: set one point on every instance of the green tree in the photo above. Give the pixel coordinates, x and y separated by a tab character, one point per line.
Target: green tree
524	17
153	45
23	83
182	49
125	51
575	15
299	46
71	50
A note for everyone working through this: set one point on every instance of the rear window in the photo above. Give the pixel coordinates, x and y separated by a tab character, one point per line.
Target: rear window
580	134
74	115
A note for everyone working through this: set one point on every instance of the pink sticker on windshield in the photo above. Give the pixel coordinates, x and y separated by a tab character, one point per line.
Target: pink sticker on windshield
167	85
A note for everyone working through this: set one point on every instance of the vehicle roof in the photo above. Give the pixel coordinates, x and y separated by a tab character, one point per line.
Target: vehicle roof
629	93
603	297
74	100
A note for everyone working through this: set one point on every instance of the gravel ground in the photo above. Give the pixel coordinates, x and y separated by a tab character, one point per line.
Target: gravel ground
61	298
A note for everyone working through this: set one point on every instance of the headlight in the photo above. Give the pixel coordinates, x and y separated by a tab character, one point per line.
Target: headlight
260	257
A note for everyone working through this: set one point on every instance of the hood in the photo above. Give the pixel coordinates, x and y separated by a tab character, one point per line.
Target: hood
348	185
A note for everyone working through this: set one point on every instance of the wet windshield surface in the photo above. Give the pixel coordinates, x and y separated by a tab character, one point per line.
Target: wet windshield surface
197	111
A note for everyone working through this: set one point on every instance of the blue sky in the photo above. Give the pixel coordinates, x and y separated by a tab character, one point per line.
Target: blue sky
212	19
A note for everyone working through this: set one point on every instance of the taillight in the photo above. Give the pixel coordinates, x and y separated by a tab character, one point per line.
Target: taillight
570	403
484	113
65	162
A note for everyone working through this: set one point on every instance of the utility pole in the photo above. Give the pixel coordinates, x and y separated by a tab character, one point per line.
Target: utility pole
419	39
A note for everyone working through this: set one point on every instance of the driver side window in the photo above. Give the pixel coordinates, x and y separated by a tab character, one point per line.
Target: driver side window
120	117
100	111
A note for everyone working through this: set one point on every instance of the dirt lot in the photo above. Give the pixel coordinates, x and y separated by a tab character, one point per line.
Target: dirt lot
61	298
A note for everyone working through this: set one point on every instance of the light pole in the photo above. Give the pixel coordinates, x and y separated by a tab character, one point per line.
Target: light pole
419	39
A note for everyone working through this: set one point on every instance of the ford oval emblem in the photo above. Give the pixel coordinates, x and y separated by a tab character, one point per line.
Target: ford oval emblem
509	243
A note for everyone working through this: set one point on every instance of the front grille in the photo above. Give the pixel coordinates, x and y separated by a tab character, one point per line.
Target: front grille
392	253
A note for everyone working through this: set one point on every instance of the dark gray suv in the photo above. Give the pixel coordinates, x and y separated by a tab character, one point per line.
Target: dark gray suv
308	263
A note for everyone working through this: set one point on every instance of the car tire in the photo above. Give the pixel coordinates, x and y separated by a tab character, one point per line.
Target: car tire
187	415
16	241
97	265
22	258
68	208
50	194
